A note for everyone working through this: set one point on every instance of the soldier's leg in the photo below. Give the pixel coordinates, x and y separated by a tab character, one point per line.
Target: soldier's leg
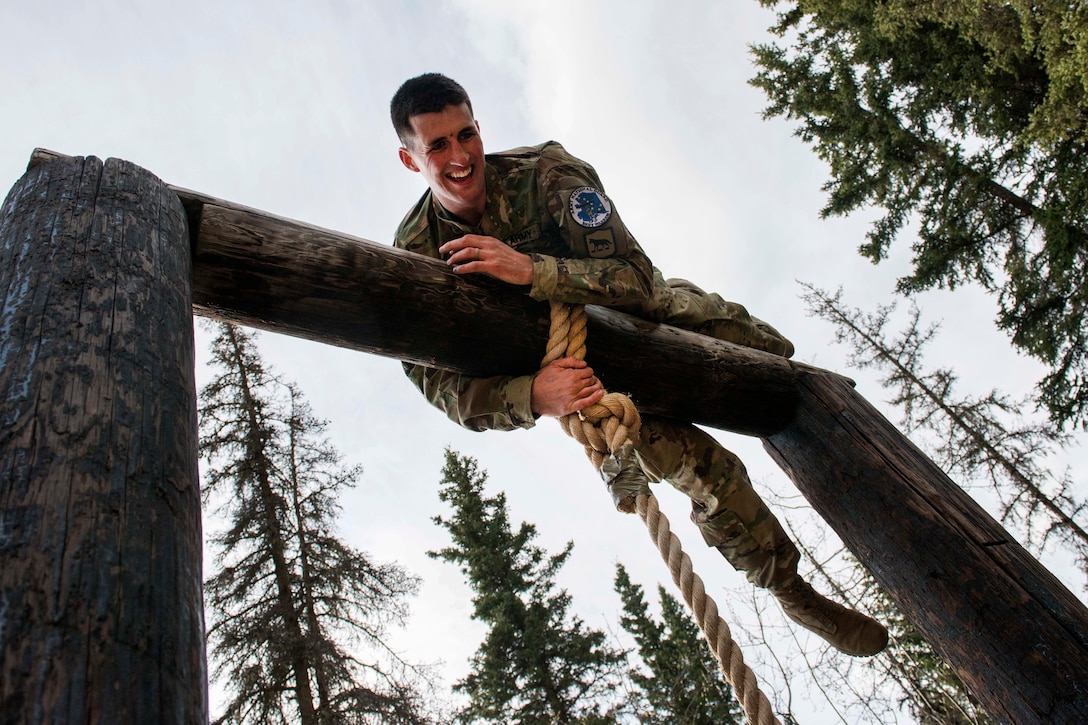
733	518
746	330
683	304
730	321
729	513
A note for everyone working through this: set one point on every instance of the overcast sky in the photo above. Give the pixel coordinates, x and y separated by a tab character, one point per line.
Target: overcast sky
285	109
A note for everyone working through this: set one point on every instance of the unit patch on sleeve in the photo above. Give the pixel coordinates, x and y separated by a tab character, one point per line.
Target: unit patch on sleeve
589	206
601	243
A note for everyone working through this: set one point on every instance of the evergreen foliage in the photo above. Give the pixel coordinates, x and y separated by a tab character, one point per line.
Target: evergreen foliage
969	119
287	597
680	682
538	664
977	439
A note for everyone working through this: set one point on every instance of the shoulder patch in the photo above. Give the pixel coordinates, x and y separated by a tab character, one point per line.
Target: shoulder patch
601	243
589	207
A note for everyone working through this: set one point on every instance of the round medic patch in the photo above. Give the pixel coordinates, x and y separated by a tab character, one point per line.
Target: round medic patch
589	206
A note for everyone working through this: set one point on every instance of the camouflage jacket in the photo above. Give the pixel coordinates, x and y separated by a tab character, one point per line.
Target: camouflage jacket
550	205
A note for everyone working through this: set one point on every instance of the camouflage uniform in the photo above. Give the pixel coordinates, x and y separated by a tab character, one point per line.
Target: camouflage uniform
546	203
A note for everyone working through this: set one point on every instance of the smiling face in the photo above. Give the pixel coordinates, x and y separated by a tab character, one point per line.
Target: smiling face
446	148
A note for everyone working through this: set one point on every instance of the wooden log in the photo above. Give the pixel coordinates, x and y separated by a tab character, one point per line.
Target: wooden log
260	270
1015	635
263	271
101	613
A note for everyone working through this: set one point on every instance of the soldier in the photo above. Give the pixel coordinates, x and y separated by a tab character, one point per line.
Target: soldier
537	217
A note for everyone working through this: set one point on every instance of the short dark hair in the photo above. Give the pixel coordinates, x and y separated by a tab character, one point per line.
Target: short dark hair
427	93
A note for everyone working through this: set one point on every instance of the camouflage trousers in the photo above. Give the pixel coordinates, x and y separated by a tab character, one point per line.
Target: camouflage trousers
729	513
683	304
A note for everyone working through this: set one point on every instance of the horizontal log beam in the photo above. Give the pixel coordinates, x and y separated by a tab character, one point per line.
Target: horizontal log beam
264	271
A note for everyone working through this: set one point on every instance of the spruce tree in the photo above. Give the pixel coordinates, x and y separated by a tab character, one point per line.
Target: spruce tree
679	681
538	663
970	120
984	439
291	607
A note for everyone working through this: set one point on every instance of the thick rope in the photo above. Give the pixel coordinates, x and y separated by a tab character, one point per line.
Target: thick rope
757	708
605	427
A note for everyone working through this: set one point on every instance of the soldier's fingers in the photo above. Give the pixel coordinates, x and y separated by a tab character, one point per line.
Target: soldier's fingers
470	241
584	402
463	255
575	363
569	363
453	246
590	388
582	373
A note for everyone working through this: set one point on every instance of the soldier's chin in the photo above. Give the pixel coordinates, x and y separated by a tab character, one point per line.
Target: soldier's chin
466	191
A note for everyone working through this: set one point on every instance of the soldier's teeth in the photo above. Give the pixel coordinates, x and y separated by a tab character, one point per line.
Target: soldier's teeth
460	175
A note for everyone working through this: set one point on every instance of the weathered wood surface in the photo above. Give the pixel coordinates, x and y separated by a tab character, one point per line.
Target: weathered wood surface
263	271
1016	636
100	542
257	269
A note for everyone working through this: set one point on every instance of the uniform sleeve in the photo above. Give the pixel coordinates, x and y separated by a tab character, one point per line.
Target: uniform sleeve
495	403
606	265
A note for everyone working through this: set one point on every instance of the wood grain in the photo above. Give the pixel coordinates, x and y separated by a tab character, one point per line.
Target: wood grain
100	534
263	271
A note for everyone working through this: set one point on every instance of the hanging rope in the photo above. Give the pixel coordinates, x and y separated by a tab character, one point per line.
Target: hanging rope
607	427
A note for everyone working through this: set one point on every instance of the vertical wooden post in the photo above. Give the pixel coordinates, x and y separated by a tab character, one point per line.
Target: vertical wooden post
101	615
1015	635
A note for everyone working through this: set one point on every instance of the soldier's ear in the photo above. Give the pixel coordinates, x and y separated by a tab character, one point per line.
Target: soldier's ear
407	160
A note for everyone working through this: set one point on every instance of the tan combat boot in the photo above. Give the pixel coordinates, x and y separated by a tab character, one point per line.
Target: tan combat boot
846	630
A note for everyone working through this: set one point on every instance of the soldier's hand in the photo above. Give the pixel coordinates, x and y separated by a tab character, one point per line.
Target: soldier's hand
565	386
476	253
